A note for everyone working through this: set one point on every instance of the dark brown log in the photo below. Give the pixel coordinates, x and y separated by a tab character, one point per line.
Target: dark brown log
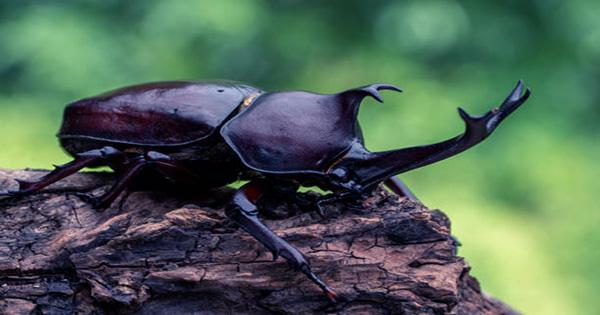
167	253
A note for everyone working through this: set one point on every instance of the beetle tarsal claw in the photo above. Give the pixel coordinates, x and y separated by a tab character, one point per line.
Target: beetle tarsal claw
13	194
5	194
321	208
331	295
275	254
24	184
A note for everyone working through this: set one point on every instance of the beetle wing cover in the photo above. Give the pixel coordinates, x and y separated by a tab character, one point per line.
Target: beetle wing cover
161	113
290	132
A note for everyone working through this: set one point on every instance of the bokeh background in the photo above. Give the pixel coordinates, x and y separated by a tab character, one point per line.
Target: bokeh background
523	203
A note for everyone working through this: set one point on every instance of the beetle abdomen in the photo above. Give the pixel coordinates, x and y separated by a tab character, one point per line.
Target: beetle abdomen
155	114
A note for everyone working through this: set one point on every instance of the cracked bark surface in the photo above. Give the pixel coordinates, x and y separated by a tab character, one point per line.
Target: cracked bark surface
168	253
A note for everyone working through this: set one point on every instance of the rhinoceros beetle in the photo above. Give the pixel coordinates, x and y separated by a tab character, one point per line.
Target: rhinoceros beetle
211	134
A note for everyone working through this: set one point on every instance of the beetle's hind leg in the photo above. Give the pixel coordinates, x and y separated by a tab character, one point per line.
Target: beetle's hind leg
134	168
243	211
128	166
81	160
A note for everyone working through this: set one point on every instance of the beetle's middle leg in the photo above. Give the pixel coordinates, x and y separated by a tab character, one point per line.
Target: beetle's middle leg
129	170
243	211
134	167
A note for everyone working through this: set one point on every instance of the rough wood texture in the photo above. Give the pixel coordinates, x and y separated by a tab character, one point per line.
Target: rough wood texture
164	253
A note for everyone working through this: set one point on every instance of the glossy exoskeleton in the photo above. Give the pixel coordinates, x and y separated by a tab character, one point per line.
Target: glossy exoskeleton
210	134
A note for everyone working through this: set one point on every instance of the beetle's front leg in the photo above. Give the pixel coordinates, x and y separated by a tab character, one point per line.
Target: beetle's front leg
243	211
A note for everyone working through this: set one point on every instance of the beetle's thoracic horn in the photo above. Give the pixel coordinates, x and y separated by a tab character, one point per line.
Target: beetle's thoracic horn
378	166
356	95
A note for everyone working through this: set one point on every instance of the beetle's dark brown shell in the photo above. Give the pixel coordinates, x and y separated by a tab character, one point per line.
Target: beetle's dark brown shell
157	114
293	132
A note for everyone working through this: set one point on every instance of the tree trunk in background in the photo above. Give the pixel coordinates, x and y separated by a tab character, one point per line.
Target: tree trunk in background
167	253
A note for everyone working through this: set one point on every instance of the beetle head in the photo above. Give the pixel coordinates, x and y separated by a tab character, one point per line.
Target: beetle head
360	171
345	174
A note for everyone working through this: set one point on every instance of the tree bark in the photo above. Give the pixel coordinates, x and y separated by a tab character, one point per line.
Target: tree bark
163	252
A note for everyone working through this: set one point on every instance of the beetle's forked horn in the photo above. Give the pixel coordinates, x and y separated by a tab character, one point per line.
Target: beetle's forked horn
376	167
356	95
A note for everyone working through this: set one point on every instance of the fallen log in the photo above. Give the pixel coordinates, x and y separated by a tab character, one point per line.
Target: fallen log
157	252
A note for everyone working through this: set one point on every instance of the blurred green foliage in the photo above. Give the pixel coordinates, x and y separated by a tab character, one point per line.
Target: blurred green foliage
521	203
